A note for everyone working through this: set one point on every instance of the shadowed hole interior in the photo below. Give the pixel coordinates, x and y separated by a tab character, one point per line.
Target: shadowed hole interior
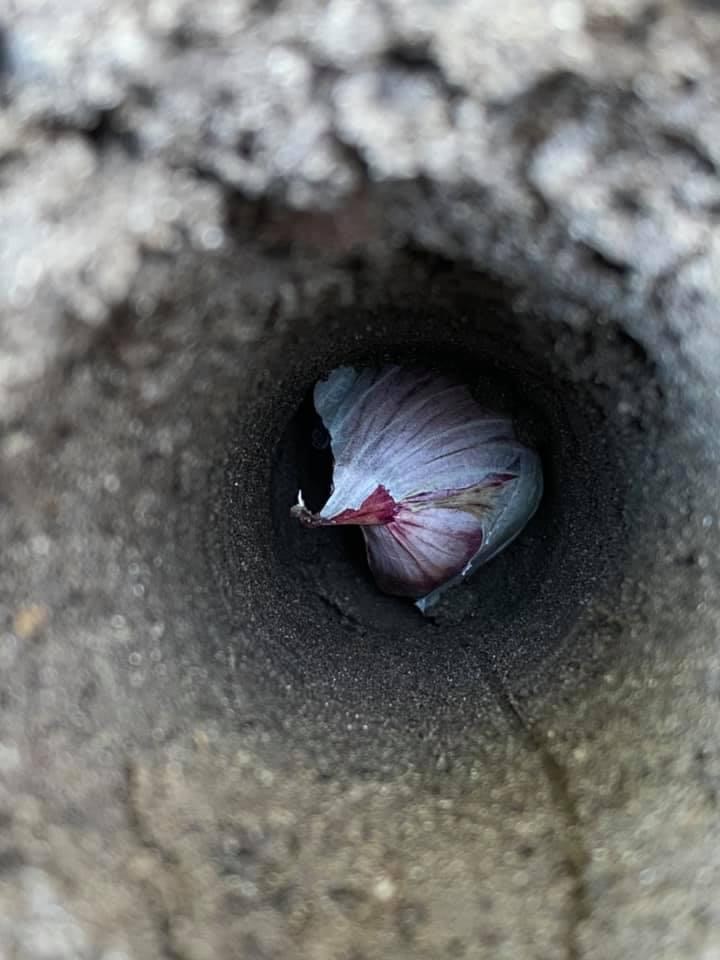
319	626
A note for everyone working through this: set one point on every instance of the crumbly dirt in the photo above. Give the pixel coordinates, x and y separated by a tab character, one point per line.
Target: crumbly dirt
200	207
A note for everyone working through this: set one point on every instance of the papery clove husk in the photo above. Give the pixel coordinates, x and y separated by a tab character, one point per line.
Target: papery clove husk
437	484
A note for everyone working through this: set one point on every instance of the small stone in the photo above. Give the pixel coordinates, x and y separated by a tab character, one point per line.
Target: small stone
30	620
111	483
9	758
384	889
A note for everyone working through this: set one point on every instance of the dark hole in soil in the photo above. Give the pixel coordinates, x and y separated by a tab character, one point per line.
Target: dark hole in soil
319	626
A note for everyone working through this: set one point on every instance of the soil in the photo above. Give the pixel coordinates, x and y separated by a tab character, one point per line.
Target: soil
217	738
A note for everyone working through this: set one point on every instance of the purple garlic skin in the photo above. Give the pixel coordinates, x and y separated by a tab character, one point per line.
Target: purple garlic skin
438	485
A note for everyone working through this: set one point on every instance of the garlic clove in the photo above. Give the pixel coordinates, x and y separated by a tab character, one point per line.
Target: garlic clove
437	484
